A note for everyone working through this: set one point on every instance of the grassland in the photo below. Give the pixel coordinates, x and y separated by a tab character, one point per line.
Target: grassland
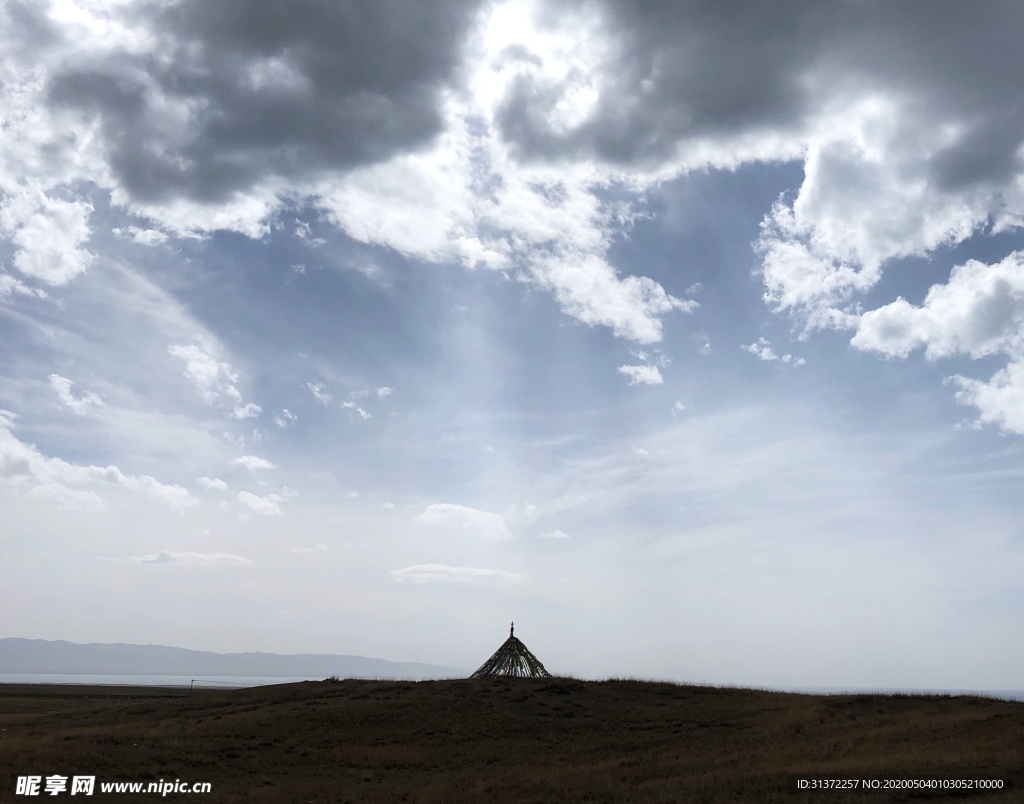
510	741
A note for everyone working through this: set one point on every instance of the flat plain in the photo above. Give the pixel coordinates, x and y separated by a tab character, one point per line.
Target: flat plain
510	740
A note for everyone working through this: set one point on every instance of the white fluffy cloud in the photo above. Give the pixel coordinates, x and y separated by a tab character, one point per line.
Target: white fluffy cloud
642	375
462	518
979	312
48	235
267	505
285	418
762	349
212	483
252	462
68	498
80	405
442	573
999	401
24	466
214	378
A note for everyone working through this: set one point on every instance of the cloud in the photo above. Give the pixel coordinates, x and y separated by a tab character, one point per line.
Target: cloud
319	91
902	154
68	498
319	391
10	287
249	410
268	505
554	534
979	312
640	452
461	517
521	139
763	351
48	235
62	387
24	466
144	237
999	401
520	514
253	462
356	409
303	232
802	277
186	559
222	117
174	496
645	375
442	573
212	483
285	418
317	548
383	391
678	407
214	378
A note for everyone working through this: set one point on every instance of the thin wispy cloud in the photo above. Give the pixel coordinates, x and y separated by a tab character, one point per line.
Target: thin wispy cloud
81	404
320	547
319	392
285	418
441	573
362	413
762	349
186	559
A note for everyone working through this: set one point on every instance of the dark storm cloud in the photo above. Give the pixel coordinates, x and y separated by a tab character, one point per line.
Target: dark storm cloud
678	70
719	68
241	90
27	25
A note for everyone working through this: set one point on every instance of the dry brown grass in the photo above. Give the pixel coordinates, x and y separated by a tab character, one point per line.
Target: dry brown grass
511	741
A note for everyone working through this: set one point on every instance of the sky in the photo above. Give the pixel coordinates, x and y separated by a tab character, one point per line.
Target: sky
688	335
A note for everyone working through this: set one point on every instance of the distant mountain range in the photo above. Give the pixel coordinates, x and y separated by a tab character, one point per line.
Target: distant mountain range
40	656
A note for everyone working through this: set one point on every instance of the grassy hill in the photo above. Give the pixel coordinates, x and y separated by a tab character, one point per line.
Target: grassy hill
511	741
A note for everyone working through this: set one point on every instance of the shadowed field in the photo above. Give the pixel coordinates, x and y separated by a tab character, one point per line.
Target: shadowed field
516	740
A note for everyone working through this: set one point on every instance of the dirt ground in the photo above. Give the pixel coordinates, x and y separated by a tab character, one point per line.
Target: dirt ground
497	741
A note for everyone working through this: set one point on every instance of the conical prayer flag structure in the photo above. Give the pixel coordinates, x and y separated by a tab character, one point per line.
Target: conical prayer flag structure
513	658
